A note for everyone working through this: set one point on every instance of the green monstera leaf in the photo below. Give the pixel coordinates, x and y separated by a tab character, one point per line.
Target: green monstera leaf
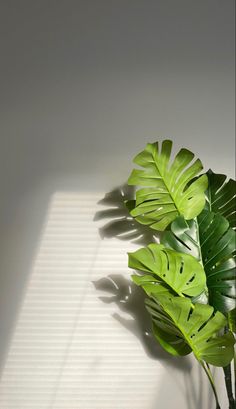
210	239
152	285
182	329
232	320
221	196
169	190
168	270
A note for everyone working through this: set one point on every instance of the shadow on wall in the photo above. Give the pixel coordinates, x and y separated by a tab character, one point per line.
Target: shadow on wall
121	225
131	299
128	296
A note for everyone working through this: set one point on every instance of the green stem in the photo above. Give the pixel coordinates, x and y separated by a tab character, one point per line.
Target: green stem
228	384
210	377
235	375
198	241
228	381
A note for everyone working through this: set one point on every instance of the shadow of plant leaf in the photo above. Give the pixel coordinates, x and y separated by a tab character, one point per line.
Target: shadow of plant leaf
122	225
131	300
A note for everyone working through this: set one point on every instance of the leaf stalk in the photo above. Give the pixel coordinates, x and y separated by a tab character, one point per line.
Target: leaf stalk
211	380
228	384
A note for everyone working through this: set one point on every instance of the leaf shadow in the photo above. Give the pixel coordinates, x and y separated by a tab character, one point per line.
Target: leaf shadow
121	224
130	298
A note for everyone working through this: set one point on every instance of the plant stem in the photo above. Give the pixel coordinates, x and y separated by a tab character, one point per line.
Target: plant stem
228	384
234	375
210	377
228	381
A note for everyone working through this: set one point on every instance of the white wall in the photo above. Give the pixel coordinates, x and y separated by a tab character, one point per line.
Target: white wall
84	85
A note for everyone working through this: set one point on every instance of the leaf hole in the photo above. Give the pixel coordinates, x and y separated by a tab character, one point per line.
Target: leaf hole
189	314
167	260
191	280
182	242
202	326
181	267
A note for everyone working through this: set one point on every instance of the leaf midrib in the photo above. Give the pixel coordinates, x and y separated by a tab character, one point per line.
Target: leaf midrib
166	184
187	339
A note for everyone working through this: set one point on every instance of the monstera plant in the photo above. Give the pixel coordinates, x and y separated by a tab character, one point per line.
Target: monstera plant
188	274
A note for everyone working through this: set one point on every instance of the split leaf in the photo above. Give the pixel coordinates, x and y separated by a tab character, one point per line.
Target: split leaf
168	188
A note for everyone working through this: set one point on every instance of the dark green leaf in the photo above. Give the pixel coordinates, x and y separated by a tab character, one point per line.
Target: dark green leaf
221	196
210	239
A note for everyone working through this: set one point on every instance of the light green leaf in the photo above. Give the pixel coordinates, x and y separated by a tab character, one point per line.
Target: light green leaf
152	285
180	329
182	273
232	320
168	190
210	239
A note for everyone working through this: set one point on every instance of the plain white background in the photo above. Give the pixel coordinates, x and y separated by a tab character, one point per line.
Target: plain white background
84	85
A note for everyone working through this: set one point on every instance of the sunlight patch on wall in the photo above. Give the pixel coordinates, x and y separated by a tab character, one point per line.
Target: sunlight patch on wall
67	350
